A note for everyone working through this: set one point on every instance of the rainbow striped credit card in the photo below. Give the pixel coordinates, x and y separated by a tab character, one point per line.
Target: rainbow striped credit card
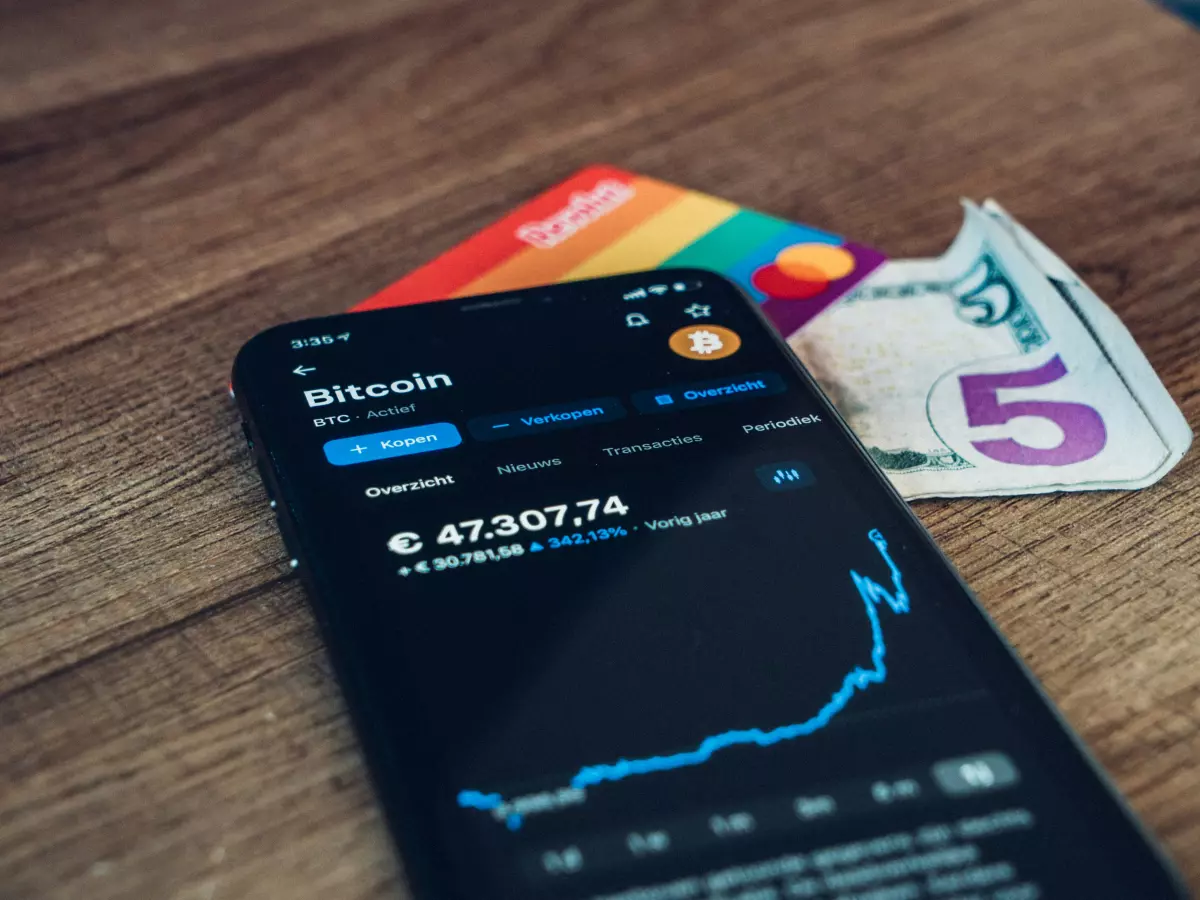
605	221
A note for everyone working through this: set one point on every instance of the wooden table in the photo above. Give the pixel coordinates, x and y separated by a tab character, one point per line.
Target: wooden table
175	176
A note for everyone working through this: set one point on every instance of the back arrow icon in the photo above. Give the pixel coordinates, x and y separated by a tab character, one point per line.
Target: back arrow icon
304	370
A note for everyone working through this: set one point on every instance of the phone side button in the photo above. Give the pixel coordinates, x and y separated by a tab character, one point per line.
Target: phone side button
266	480
289	543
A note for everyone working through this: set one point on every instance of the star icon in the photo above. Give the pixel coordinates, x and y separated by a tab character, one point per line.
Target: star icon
698	311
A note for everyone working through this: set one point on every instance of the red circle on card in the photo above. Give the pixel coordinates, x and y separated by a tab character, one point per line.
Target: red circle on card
780	285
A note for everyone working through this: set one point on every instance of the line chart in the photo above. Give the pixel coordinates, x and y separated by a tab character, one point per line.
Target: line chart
512	812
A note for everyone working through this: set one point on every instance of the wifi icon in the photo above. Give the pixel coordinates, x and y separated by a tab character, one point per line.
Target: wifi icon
535	547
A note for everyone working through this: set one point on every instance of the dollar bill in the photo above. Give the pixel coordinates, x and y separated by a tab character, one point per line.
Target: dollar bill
993	370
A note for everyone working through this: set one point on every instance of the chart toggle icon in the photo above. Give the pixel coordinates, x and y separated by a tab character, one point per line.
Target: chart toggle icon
785	476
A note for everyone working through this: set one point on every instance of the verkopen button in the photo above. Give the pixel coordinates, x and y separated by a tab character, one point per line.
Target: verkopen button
389	444
545	418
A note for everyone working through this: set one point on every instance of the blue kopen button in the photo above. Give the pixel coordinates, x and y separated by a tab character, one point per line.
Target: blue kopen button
388	444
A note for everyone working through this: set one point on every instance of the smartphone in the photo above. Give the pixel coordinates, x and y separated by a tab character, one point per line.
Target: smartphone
623	610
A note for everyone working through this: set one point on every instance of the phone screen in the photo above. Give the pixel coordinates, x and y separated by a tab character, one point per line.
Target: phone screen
622	610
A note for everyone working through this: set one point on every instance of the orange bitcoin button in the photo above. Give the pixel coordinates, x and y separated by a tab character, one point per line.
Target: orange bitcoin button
705	342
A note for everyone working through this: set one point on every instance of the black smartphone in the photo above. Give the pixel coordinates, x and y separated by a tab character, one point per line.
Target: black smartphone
623	610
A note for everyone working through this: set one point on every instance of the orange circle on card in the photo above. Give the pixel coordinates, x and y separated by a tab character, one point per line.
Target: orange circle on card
828	261
705	342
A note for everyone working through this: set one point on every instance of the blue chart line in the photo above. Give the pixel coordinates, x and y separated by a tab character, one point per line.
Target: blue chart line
856	681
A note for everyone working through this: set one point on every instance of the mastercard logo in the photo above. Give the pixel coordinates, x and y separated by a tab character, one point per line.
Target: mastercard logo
802	271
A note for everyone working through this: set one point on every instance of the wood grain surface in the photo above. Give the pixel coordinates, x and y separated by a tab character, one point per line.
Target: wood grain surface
176	176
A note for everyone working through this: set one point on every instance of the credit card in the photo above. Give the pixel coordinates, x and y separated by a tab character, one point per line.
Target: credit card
606	221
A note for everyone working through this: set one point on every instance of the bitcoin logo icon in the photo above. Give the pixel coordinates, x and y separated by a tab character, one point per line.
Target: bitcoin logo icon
705	342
